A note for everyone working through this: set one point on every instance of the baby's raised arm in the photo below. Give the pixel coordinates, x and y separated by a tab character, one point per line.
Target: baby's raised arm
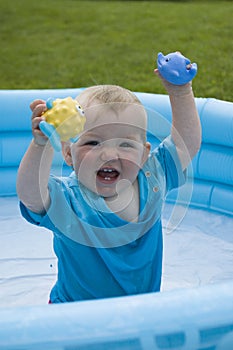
34	170
186	129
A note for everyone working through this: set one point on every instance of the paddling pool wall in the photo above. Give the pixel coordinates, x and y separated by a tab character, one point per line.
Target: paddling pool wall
212	168
200	318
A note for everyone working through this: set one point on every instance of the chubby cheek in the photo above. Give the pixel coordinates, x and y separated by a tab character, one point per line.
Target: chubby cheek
82	163
130	169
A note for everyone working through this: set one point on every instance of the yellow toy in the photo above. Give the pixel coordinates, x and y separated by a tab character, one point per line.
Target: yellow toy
64	120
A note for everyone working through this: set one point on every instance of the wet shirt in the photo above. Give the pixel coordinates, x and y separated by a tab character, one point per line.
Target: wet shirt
99	254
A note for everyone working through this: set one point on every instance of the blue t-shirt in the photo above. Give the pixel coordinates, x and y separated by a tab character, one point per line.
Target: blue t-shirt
99	254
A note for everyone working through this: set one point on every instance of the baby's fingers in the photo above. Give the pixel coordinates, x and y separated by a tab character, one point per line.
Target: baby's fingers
39	137
38	110
35	103
173	89
35	122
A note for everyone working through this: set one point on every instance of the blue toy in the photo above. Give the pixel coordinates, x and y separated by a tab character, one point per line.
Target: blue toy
64	120
176	68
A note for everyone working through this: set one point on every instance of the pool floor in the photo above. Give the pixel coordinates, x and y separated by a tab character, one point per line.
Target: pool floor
199	251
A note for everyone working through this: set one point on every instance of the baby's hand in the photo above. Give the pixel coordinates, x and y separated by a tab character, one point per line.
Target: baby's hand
172	89
38	107
176	72
63	121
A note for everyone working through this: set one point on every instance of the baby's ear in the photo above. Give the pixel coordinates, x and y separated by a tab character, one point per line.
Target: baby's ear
66	151
146	152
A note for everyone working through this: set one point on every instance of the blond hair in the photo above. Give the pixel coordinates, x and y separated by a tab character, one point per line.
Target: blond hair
101	94
116	96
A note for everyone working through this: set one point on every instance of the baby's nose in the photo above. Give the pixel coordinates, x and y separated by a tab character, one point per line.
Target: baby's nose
109	152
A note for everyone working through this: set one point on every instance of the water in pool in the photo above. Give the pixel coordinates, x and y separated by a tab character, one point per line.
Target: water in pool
198	252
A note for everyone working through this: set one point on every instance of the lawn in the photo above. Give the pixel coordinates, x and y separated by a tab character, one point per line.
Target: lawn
71	43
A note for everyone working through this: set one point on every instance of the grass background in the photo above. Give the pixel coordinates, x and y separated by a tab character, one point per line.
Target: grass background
72	43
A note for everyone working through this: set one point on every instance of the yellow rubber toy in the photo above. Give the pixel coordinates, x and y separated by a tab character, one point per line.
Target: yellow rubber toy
64	120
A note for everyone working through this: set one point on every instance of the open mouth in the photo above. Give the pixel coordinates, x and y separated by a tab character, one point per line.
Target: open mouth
107	175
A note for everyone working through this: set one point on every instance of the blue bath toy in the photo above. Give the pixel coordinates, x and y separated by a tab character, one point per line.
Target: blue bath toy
176	68
64	120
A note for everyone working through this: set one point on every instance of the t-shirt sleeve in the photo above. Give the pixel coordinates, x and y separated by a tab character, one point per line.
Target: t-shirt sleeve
168	158
30	216
42	219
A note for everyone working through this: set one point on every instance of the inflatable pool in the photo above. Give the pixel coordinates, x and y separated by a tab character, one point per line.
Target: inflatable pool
193	311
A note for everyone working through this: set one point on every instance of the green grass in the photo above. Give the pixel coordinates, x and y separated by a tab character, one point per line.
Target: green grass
71	43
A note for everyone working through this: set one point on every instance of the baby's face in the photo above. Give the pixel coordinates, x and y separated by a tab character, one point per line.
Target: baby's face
110	149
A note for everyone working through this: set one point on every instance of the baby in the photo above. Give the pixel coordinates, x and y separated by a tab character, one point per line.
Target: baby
106	216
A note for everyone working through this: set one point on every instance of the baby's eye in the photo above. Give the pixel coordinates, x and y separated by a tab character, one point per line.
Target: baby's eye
126	144
92	143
